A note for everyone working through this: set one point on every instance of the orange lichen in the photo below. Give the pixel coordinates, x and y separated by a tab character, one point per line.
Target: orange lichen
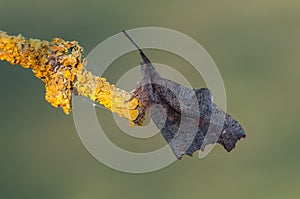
101	91
60	65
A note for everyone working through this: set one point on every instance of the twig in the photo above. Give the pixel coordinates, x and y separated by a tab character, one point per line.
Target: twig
60	65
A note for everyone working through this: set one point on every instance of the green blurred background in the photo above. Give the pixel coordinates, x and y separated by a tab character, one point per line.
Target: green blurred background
256	47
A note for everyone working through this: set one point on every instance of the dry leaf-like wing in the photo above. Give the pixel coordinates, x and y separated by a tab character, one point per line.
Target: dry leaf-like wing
187	118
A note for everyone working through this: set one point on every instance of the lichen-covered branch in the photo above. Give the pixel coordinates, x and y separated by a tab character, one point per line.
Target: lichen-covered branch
60	65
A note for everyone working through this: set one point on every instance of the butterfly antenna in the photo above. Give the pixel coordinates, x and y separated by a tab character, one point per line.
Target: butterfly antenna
145	58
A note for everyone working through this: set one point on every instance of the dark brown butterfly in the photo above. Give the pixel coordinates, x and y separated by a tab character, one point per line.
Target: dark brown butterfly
187	118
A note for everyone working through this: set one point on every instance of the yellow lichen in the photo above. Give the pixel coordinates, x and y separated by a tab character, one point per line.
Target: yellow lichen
60	65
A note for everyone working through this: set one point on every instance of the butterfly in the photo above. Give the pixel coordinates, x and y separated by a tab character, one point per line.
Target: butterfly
187	118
